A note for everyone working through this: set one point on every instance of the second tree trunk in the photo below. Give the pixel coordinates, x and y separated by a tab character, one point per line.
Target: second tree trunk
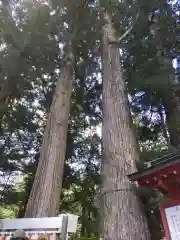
45	194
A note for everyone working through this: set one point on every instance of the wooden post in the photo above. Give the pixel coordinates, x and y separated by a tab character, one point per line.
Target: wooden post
165	224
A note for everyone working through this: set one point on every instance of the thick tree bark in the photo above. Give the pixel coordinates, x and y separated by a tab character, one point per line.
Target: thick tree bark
172	107
164	126
45	194
122	216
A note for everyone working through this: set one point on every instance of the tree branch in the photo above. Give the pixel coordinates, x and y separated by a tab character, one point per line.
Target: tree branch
130	29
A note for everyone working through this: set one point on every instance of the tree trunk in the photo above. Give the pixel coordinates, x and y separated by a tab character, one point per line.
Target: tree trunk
122	215
45	194
172	107
164	126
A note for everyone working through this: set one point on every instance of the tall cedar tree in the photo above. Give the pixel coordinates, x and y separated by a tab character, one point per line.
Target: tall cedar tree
45	193
122	216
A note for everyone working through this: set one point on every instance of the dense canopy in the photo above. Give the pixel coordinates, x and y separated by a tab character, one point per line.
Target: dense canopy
39	41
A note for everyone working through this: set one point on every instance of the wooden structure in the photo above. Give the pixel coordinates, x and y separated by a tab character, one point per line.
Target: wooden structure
163	174
52	226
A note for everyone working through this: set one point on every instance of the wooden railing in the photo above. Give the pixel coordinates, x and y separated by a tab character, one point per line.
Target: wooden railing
52	226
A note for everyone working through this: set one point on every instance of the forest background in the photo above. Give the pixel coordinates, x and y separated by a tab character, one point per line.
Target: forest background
32	36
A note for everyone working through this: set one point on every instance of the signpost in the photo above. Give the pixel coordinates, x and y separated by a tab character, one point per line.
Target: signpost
170	214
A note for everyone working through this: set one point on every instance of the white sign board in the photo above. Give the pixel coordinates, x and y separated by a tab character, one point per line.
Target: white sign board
173	220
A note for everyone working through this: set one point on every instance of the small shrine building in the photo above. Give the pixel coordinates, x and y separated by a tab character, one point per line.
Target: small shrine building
163	174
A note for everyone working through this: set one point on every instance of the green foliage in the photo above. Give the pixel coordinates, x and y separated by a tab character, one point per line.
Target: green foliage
87	238
30	65
8	211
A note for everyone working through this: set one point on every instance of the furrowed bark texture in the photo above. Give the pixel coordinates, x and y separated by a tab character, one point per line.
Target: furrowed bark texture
122	216
45	194
172	107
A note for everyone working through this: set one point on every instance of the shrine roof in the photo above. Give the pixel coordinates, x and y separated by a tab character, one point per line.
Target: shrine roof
158	165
